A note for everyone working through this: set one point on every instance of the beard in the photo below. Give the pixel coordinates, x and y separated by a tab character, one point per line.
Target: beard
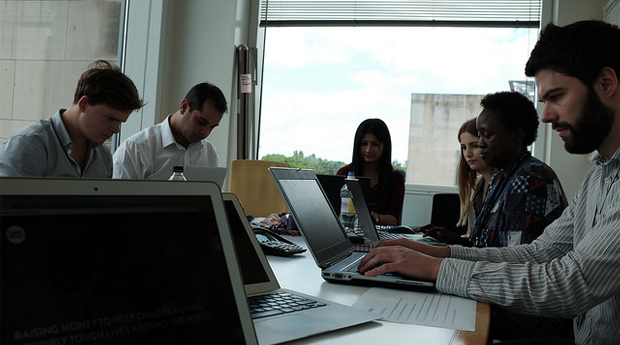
591	127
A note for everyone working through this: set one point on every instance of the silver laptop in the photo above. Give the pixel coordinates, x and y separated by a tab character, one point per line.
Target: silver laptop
204	173
367	224
309	315
331	248
118	262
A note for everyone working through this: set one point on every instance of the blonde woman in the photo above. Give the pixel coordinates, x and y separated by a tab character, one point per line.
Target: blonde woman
473	176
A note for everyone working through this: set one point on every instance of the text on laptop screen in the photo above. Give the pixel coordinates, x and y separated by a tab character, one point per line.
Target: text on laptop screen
113	270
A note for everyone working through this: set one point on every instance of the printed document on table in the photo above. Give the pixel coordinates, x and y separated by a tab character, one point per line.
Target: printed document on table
420	308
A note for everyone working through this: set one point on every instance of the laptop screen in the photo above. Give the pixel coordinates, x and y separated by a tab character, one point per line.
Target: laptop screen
252	269
332	184
114	269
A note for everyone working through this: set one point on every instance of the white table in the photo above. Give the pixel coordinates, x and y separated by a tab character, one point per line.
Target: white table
301	273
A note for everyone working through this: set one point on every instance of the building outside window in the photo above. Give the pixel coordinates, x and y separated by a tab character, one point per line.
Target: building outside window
320	81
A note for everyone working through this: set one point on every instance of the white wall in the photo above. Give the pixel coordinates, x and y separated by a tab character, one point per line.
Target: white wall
570	168
612	13
174	45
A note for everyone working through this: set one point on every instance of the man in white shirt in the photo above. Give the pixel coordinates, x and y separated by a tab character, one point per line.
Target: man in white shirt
573	269
178	140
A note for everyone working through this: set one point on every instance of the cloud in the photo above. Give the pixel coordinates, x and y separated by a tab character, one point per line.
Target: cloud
320	83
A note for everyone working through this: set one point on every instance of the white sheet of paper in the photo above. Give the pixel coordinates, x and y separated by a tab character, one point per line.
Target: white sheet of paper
245	83
420	308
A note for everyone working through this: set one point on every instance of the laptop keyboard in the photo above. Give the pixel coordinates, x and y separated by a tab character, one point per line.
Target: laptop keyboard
364	247
384	235
352	267
280	303
355	231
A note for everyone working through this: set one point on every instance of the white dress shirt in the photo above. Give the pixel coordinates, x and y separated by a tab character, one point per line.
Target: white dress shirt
151	153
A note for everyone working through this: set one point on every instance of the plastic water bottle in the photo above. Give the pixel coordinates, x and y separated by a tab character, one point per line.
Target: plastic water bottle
348	216
177	174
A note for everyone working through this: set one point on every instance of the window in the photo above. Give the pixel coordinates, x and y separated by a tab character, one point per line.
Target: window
44	48
319	82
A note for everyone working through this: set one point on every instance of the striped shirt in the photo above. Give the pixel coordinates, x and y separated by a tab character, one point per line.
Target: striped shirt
571	270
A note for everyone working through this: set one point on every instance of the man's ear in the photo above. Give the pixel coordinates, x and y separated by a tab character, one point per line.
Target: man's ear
82	102
184	107
608	80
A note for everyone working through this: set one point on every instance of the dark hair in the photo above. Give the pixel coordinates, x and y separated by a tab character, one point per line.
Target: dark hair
513	111
381	131
104	83
580	50
206	92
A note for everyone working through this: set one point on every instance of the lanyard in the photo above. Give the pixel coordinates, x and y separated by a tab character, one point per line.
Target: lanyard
491	200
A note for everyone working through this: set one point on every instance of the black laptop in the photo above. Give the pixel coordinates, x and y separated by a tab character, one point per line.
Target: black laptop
118	262
281	314
330	246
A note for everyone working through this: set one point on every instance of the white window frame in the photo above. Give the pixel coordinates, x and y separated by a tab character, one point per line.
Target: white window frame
141	58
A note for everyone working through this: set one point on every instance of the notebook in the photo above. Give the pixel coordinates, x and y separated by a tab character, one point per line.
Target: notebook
118	262
204	173
331	249
367	224
260	281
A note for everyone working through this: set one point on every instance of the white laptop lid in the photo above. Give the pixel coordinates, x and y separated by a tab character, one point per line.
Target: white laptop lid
204	173
118	262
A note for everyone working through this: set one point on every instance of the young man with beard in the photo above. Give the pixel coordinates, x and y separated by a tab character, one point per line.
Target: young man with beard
573	268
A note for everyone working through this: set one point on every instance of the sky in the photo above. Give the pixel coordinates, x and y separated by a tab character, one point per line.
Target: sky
320	83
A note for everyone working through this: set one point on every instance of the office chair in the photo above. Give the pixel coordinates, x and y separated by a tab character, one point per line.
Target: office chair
251	181
445	212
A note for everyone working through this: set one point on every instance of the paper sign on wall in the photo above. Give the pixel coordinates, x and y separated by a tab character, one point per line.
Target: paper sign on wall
245	82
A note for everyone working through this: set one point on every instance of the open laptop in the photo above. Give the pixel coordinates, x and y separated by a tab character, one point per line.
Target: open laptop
367	224
313	315
332	184
204	173
118	262
332	250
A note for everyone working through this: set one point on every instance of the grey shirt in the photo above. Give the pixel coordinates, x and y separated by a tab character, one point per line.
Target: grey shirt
571	270
43	148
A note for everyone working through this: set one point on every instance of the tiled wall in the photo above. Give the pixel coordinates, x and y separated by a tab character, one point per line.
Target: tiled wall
44	48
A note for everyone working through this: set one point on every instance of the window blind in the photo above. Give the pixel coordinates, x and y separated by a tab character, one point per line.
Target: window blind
478	13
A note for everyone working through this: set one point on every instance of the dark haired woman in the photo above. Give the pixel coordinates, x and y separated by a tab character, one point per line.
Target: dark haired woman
372	157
